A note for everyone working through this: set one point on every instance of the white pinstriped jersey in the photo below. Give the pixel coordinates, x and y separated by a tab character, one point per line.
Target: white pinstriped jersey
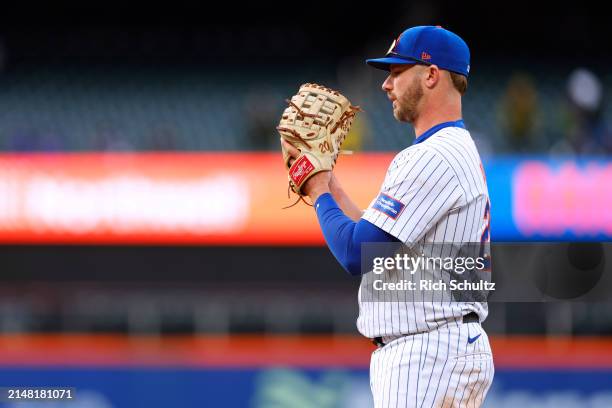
442	189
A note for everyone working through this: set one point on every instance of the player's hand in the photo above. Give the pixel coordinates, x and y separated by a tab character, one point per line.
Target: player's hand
334	184
317	184
291	149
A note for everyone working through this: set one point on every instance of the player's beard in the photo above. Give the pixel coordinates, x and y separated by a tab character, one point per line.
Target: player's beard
408	103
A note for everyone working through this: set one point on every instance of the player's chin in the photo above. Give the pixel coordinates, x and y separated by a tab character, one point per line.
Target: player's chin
398	116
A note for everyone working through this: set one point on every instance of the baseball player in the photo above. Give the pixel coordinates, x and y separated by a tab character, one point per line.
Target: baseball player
430	353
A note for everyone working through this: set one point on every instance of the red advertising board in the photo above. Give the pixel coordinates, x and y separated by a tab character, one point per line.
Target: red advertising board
165	198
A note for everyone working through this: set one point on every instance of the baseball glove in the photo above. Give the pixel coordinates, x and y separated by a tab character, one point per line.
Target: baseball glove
316	122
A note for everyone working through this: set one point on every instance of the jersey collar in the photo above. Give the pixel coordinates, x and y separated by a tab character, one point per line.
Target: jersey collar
424	136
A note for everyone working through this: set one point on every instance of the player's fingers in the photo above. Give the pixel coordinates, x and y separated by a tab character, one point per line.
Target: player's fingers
292	150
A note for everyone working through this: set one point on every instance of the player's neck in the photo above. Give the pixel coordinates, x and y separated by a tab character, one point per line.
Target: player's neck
448	112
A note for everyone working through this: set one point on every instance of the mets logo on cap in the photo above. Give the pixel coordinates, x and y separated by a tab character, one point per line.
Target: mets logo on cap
394	44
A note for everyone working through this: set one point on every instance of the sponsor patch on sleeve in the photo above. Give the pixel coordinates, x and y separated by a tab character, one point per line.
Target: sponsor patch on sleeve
388	205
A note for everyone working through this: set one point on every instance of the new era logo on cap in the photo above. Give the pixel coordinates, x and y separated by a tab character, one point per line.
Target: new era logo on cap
427	45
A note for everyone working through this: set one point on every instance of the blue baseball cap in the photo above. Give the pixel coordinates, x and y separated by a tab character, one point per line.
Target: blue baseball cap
427	45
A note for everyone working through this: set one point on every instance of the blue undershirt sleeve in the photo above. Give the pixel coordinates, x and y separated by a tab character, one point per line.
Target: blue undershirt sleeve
345	236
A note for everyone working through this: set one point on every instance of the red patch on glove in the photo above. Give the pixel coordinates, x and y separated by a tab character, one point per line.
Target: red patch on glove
300	170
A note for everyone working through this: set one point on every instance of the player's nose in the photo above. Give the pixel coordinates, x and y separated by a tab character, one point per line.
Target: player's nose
387	85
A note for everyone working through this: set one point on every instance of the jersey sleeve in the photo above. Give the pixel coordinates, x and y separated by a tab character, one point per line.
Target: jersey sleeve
416	193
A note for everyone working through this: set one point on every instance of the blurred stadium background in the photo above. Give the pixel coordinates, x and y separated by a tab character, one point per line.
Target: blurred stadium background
145	257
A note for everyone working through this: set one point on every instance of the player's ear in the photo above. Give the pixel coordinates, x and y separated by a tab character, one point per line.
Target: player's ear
431	75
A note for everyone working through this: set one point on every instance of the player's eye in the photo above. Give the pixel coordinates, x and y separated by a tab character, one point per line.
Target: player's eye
398	70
